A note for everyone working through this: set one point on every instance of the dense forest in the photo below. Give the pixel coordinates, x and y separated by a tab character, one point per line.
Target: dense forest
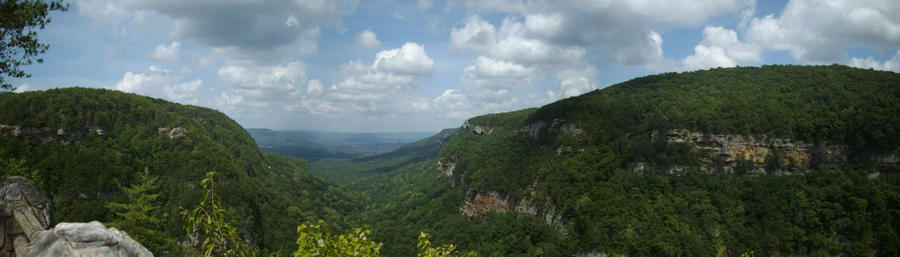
607	208
96	150
82	145
847	210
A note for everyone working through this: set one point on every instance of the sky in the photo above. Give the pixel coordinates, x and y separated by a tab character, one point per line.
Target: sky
425	65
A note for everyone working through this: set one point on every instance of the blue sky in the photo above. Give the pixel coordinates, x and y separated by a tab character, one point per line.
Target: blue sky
425	65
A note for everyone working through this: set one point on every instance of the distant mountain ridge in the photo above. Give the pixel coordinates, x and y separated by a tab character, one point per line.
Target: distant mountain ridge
314	145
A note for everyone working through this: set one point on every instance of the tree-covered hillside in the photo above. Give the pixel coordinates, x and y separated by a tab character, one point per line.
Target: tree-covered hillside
574	157
404	195
79	144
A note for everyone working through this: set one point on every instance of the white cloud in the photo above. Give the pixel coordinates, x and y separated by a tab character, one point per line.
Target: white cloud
185	92
721	48
314	88
888	65
489	68
162	83
621	31
517	55
167	53
385	88
476	35
491	74
680	11
576	86
23	88
510	42
261	86
368	39
410	59
144	82
687	12
254	28
817	32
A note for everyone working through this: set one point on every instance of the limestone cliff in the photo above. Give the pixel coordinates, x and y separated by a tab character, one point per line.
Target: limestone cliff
477	129
557	126
481	202
763	153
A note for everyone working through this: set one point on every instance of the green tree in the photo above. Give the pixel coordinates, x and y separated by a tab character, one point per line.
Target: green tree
139	215
425	249
317	240
209	224
19	45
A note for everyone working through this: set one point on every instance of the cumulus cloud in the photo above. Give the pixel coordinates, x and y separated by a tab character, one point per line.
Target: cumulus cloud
510	42
817	32
721	48
368	39
243	27
262	86
167	53
619	31
410	59
160	82
386	87
512	59
888	65
314	88
576	86
492	74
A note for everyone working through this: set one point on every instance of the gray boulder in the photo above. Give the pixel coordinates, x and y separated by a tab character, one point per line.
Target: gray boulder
85	239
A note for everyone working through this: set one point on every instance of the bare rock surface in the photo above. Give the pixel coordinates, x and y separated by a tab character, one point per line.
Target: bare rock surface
85	239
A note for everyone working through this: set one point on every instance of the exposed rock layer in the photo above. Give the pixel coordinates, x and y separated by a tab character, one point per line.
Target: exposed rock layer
45	135
480	202
764	151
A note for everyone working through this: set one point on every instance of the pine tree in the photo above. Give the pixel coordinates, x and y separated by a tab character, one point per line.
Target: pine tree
139	215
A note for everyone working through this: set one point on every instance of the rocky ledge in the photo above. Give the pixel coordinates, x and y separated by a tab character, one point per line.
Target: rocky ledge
43	135
557	126
764	152
479	202
477	129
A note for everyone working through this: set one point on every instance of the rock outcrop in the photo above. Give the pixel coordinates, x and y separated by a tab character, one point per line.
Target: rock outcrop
172	133
28	228
557	127
43	135
762	152
477	129
480	202
447	166
85	239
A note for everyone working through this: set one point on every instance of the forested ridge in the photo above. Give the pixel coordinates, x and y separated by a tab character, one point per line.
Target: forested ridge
584	175
111	137
84	146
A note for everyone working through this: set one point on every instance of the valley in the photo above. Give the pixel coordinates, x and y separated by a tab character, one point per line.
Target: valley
773	160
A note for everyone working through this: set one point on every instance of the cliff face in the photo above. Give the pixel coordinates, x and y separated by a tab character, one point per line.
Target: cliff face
480	202
762	153
477	129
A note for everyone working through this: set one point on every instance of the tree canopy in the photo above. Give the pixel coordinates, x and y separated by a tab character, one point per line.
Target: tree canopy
19	44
